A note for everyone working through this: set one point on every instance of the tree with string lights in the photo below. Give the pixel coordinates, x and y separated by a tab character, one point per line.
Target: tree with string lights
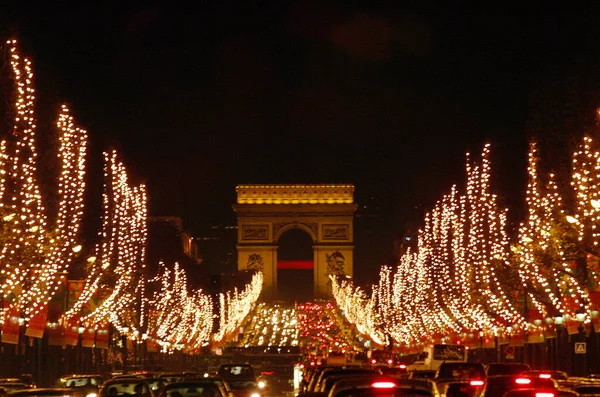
37	251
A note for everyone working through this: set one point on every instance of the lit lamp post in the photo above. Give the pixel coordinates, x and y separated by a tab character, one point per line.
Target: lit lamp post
594	317
580	317
80	331
552	345
124	332
558	321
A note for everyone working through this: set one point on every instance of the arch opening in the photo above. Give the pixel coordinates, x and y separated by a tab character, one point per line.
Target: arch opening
295	266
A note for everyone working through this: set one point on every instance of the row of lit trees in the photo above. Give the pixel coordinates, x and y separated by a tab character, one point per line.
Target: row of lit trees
466	277
37	250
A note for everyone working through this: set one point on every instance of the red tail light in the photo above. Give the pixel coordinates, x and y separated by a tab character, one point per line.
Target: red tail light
545	376
476	383
544	394
268	373
390	361
373	361
523	381
383	385
402	366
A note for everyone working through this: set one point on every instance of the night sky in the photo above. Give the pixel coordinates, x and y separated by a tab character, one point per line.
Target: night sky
384	96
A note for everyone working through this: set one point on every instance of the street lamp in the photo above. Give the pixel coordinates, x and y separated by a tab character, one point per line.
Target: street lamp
558	321
580	317
124	331
80	330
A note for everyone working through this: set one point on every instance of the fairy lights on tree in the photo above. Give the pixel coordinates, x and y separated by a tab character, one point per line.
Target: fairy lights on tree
35	251
121	254
358	308
453	284
234	306
179	316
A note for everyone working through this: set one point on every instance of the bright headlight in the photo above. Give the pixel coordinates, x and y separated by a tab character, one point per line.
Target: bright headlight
254	395
261	384
91	395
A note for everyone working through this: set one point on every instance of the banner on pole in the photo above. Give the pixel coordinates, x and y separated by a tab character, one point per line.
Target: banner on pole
10	327
37	323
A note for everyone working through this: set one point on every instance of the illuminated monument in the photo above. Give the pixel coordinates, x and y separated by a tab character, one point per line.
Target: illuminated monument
325	212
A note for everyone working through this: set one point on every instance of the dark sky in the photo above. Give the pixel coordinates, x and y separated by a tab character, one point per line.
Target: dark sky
384	96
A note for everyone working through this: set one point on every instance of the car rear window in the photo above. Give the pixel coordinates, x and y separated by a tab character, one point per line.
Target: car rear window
461	371
507	369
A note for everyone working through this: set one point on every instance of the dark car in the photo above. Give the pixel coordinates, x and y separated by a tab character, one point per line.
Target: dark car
462	388
384	389
496	386
592	389
346	383
241	380
540	393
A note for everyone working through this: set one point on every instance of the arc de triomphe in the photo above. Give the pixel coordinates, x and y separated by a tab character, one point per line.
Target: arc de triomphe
325	212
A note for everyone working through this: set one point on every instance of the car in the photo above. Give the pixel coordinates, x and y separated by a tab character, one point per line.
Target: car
192	388
126	387
241	380
25	380
383	389
345	383
592	389
540	393
329	377
88	385
214	379
497	385
459	370
329	380
12	386
461	388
